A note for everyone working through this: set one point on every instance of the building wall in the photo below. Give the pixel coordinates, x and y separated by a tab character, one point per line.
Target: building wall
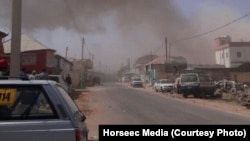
243	51
34	60
62	66
241	77
231	54
222	57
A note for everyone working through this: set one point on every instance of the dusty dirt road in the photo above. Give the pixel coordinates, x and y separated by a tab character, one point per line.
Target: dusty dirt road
86	104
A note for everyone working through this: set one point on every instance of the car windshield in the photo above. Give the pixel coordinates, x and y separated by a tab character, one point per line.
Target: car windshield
137	79
189	78
166	81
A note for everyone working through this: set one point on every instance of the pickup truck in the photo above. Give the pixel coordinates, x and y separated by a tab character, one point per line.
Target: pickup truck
39	110
199	85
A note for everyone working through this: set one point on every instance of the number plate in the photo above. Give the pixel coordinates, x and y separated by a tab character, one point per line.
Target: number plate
7	96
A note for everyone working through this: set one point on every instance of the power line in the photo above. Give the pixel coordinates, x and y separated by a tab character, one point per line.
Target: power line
210	31
213	30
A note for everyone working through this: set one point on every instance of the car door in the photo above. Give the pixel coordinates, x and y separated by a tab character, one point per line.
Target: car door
78	118
27	113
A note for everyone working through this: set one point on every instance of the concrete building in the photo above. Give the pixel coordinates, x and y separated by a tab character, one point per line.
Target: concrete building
231	54
36	56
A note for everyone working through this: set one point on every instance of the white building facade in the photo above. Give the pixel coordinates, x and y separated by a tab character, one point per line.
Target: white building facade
231	54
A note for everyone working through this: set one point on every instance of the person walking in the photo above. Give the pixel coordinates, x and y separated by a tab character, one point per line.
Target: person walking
69	83
43	75
33	75
23	74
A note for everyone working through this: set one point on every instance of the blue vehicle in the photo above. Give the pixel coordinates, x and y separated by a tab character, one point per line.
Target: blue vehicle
196	84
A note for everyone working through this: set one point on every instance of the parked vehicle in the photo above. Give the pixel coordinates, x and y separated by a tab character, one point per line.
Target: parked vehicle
59	79
39	110
136	82
176	88
229	86
164	85
196	84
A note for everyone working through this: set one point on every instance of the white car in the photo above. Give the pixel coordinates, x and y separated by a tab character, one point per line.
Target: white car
164	85
136	82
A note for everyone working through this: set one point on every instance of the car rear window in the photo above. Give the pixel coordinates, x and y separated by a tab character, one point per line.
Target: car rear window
189	78
166	81
204	78
22	102
137	79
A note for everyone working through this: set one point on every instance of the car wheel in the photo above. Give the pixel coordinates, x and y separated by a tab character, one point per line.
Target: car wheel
162	90
185	95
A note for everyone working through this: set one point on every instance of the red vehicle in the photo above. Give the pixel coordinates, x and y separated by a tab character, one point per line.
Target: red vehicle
4	67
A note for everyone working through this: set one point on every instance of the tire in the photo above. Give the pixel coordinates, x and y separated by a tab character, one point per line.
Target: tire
185	95
162	90
202	95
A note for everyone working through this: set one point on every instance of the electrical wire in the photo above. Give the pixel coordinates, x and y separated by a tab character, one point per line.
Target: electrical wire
210	31
213	30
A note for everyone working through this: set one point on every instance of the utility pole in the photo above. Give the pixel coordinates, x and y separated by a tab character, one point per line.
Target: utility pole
151	56
151	66
169	51
66	54
129	66
83	41
83	67
93	61
152	71
15	55
166	44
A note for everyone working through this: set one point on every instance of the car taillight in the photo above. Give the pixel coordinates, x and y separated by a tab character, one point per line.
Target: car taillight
78	134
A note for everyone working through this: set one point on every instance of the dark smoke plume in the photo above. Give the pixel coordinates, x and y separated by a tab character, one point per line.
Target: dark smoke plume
159	18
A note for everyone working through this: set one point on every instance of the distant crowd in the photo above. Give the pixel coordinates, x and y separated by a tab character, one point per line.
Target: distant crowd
43	75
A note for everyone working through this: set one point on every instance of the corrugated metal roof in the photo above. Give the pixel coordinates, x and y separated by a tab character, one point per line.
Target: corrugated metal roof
27	44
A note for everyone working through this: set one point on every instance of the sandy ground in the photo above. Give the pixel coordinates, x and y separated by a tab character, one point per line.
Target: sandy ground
89	108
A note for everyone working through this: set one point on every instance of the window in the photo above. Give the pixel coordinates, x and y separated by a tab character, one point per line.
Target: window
72	105
189	78
205	78
22	102
238	54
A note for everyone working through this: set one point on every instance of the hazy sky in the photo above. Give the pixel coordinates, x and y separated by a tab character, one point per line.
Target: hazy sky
115	30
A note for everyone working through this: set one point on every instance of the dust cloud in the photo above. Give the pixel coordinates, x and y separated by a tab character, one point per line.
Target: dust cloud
114	28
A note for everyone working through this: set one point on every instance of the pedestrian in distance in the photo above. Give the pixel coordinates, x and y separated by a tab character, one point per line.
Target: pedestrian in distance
23	74
69	83
43	75
33	75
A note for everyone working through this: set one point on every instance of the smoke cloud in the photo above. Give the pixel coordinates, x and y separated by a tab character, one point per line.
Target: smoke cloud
125	28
